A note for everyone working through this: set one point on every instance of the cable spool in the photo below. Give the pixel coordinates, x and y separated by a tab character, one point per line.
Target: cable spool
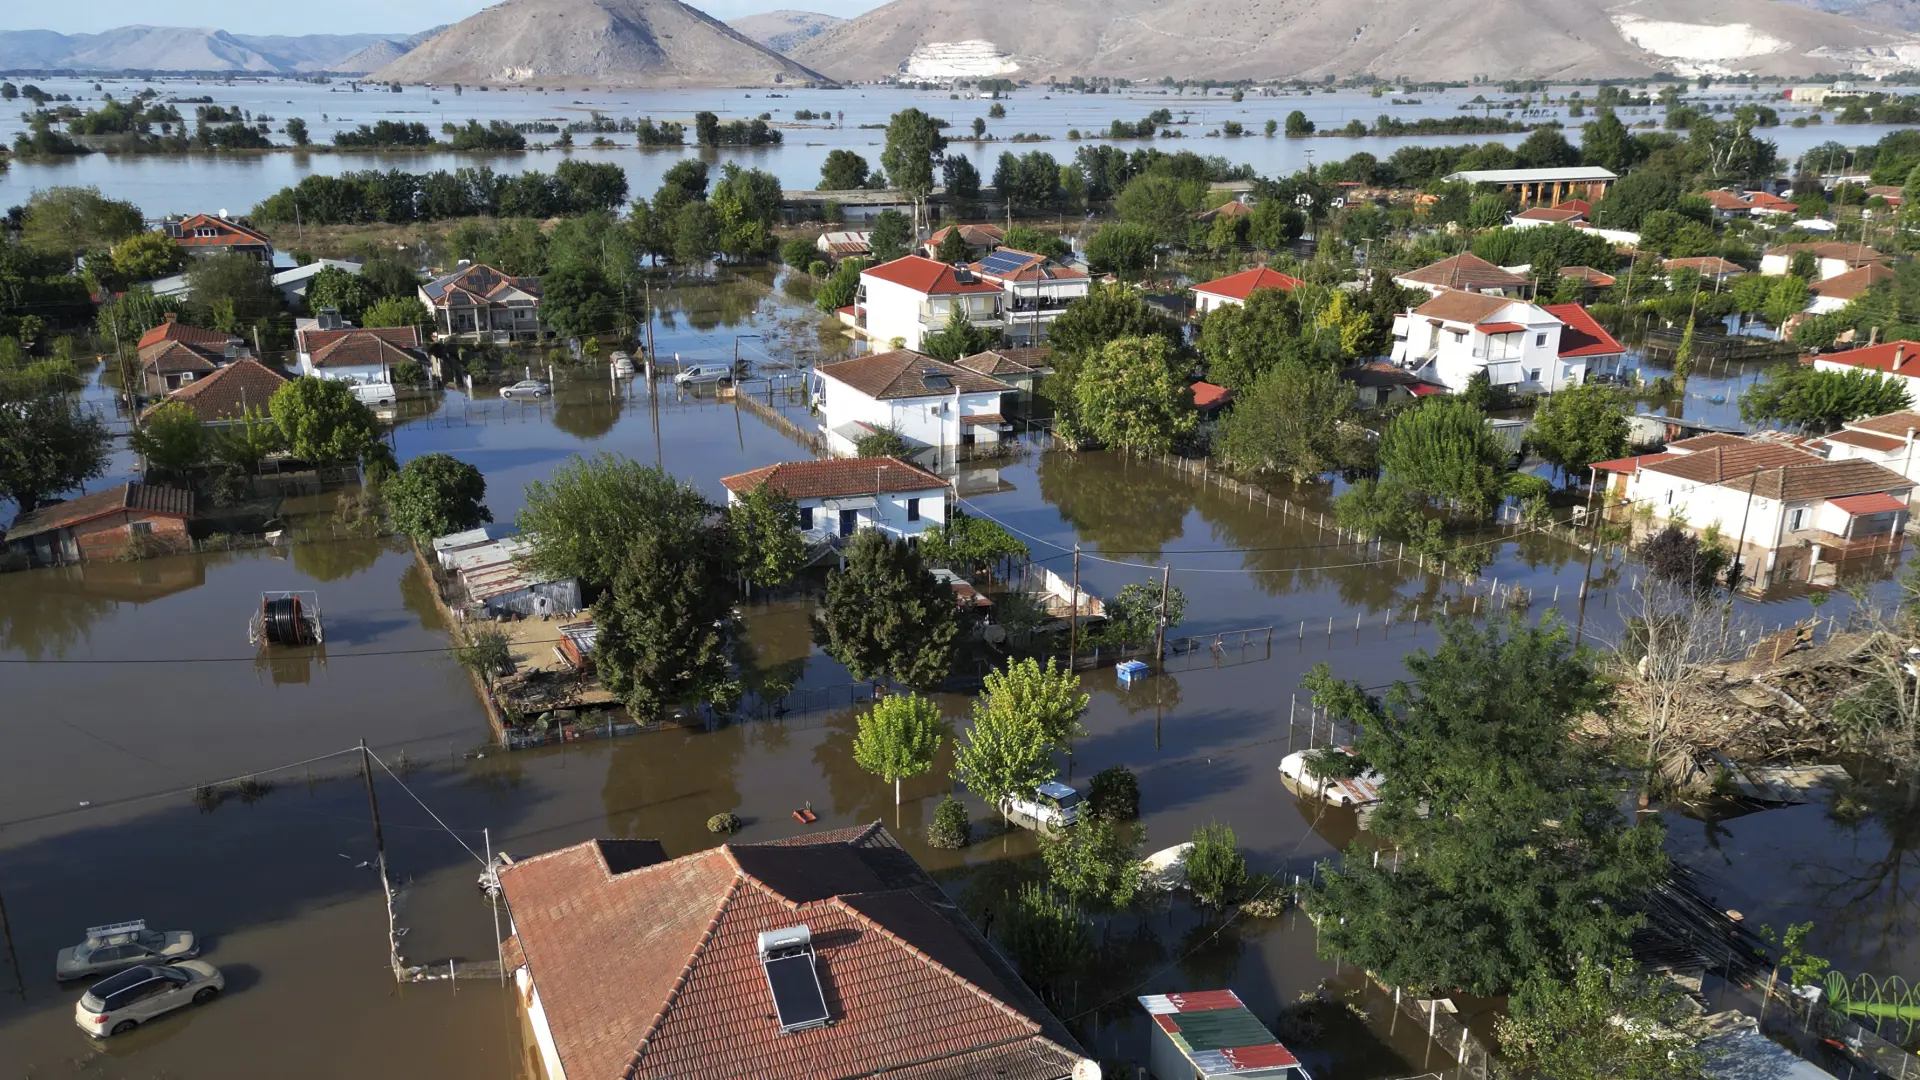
281	619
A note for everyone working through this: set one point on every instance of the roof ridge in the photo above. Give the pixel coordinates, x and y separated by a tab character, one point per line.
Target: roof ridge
840	901
699	947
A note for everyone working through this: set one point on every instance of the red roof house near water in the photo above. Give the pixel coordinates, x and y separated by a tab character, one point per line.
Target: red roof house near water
825	955
100	525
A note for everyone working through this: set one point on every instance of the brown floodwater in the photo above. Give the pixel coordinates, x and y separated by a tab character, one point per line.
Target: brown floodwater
126	686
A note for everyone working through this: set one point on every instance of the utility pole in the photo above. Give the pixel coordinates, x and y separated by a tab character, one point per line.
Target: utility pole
1593	546
1073	615
1160	635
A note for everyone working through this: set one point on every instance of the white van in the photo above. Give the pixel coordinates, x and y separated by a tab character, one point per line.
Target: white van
375	393
704	374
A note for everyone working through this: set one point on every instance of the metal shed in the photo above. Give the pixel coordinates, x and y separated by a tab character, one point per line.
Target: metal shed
1210	1033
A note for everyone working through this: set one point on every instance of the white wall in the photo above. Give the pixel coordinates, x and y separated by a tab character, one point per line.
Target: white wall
888	514
893	311
1204	302
361	373
537	1017
1777	266
1534	366
934	421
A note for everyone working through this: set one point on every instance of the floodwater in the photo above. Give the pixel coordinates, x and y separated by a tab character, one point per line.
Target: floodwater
128	686
237	182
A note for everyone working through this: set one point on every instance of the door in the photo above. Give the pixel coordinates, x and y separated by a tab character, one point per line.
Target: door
849	521
168	993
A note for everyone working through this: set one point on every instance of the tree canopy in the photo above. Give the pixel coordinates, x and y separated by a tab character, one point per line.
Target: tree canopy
885	616
1579	426
1297	421
436	495
1820	401
1133	395
899	737
322	421
48	446
582	522
1444	450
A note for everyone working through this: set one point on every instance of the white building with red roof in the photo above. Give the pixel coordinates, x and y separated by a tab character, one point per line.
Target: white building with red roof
1035	290
904	301
479	303
217	234
1235	288
838	497
927	402
1889	359
1522	347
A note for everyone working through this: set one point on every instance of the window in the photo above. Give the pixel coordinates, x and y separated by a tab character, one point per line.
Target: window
1797	520
1540	341
913	509
849	521
806	517
1533	375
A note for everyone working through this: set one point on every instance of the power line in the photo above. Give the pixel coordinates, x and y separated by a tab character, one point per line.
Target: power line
329	657
132	799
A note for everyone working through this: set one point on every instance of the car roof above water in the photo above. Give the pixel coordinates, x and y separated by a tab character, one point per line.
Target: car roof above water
113	984
1054	789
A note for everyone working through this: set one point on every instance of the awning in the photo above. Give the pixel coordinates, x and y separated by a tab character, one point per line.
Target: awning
1860	505
1501	328
1425	389
992	418
850	502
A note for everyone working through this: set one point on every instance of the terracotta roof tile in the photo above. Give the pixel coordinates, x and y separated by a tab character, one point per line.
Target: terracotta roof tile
1463	307
355	347
971	235
1852	283
231	233
142	498
1583	335
477	284
1208	396
1242	285
902	373
997	362
1867	440
836	477
1877	503
911	987
1465	271
1588	275
1852	254
928	277
175	357
1774	470
228	393
1708	441
1898	357
1898	424
1706	266
174	330
1548	213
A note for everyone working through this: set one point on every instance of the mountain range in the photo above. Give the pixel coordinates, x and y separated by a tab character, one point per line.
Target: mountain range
183	48
783	31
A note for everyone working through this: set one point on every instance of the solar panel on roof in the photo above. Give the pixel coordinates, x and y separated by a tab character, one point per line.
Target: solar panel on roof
934	380
1004	261
798	1000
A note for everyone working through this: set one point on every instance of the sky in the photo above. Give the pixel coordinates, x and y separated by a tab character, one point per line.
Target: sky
338	16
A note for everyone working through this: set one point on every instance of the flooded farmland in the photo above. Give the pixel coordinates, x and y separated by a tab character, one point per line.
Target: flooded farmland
135	710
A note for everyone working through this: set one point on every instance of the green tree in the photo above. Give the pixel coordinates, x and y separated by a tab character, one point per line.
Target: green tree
747	203
666	628
1122	248
843	170
245	443
145	256
1107	313
340	289
1787	298
577	301
1579	426
1444	450
582	522
1605	1022
49	445
1163	204
1133	395
1092	866
70	221
764	525
885	616
395	311
172	440
297	131
969	545
1046	936
436	495
1683	356
1516	856
1547	148
322	422
1133	615
1606	143
914	149
899	737
959	338
891	235
1050	696
1820	401
883	442
1004	753
1298	125
953	248
1216	870
1035	241
235	290
695	233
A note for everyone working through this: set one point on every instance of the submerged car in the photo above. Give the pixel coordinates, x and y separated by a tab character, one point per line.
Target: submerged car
118	946
119	1003
526	388
1052	804
704	375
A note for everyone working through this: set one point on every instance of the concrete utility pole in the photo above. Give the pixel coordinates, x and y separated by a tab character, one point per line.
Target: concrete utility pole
1160	636
1073	614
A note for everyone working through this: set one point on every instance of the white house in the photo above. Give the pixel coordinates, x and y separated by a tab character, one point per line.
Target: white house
478	303
1891	359
840	496
331	349
1465	272
1834	258
1035	290
909	298
293	283
1889	440
928	402
1521	346
1787	508
1235	288
1837	292
1535	216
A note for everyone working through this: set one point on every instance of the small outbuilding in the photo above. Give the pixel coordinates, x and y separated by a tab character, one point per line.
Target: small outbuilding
103	524
1210	1033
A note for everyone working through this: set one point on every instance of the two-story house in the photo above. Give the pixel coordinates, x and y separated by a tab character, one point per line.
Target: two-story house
1897	360
217	234
174	354
979	239
840	496
1035	290
479	303
1832	257
1234	289
1520	346
330	349
904	301
928	402
1889	440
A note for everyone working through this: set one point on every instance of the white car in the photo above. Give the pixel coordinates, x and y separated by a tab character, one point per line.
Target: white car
1052	804
375	393
526	388
119	1003
1362	790
704	375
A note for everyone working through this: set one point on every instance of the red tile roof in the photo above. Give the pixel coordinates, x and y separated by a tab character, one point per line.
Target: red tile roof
231	233
175	357
655	972
928	277
477	285
359	347
1706	266
1897	357
1627	464
1899	423
1764	200
835	477
1583	335
1728	200
1024	360
1588	275
1208	396
228	393
1877	503
1852	283
174	330
1708	441
972	235
1579	206
1465	271
903	373
1425	389
1777	471
1500	328
148	500
1867	440
1454	306
1241	285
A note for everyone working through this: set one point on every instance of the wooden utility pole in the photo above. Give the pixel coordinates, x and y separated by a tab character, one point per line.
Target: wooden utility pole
1160	634
1073	613
373	804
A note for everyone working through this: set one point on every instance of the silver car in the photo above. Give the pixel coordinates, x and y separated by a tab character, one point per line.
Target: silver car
1052	805
526	388
119	1003
118	946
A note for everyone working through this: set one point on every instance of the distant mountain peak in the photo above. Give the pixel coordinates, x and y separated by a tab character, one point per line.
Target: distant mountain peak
784	30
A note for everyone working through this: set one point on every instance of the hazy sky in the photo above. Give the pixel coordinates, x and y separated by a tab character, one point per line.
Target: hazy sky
336	17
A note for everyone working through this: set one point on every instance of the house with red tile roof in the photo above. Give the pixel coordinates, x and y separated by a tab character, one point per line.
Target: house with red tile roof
1791	511
1520	346
228	394
1889	359
1465	272
902	302
825	955
928	402
1235	288
1837	292
217	234
332	350
1709	267
103	524
838	497
1832	257
478	303
174	354
979	239
1035	290
1892	440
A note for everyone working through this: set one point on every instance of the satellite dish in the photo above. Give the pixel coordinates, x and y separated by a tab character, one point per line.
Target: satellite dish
1086	1069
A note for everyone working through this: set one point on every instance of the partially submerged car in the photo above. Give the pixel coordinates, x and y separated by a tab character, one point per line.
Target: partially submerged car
118	946
120	1003
1052	804
1362	789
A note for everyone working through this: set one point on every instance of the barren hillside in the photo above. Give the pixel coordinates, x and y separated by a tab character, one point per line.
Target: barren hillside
1426	39
784	31
641	43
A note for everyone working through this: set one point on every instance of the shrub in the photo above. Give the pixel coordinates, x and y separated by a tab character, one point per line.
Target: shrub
720	824
1216	871
1114	794
951	826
